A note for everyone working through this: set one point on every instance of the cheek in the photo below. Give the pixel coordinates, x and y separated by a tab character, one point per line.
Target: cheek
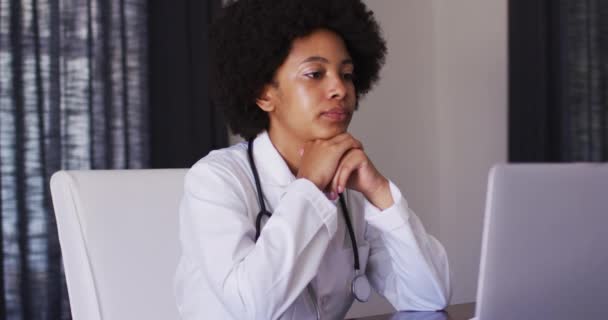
306	97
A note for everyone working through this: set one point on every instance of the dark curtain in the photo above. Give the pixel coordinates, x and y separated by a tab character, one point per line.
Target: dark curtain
90	84
558	80
185	127
73	95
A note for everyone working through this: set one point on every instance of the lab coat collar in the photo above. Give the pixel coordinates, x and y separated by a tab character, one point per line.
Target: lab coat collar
272	167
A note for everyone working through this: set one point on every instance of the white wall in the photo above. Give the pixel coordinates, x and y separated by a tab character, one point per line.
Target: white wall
471	97
437	120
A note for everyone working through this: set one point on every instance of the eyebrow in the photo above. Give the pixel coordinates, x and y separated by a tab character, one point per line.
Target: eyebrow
323	60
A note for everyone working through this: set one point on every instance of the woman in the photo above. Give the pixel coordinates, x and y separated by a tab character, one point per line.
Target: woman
297	222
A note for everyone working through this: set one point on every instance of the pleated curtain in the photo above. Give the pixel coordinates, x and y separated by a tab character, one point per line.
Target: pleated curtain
582	86
73	95
558	80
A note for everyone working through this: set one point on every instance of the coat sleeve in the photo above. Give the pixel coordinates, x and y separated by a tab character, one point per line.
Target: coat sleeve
254	280
406	265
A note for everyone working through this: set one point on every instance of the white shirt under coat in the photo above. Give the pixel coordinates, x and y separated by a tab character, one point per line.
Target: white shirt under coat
224	274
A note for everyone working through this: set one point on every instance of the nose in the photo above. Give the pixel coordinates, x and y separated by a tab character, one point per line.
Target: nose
337	87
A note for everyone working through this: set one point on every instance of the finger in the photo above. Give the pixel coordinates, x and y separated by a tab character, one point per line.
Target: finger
344	146
344	176
352	162
346	159
345	138
334	182
332	194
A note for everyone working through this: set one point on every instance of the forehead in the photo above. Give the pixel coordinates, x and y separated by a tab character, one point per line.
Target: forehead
320	43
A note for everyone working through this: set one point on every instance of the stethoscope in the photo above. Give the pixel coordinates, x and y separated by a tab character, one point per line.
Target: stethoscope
360	286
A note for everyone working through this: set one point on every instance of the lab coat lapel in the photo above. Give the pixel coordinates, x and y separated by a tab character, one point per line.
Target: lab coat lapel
273	170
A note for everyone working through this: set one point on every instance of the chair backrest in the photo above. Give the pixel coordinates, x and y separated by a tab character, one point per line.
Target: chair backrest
118	231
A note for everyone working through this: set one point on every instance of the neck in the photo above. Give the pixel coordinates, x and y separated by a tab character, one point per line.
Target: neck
288	147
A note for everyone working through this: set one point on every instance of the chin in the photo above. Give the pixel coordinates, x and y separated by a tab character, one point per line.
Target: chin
328	133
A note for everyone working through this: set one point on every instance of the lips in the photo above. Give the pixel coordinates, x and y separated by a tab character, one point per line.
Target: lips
336	114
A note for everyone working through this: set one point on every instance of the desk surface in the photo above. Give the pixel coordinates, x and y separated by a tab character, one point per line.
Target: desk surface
464	311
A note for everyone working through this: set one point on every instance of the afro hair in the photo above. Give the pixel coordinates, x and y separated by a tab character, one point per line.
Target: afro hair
251	39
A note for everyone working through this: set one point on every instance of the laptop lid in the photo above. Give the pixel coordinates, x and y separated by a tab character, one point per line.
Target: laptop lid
545	243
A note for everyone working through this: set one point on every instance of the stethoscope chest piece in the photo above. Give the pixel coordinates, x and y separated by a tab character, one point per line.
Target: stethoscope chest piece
361	288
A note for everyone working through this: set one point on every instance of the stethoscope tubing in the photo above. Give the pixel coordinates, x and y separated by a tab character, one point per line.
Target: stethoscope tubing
263	212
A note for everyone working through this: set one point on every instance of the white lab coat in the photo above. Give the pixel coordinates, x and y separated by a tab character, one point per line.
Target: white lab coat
224	274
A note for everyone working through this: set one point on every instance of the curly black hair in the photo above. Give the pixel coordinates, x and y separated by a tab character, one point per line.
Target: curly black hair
251	39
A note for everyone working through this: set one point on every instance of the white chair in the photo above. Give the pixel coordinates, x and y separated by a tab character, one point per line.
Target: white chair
118	231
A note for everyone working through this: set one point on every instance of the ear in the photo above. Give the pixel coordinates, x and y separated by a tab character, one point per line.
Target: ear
266	98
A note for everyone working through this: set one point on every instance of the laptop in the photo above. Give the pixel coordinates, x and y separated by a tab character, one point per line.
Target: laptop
545	243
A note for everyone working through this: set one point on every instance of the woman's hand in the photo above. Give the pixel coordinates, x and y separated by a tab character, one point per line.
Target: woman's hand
320	158
357	172
339	163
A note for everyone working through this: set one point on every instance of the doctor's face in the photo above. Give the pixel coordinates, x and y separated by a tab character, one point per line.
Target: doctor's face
313	95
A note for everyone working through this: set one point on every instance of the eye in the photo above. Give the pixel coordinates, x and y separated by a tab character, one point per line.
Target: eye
348	76
314	74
